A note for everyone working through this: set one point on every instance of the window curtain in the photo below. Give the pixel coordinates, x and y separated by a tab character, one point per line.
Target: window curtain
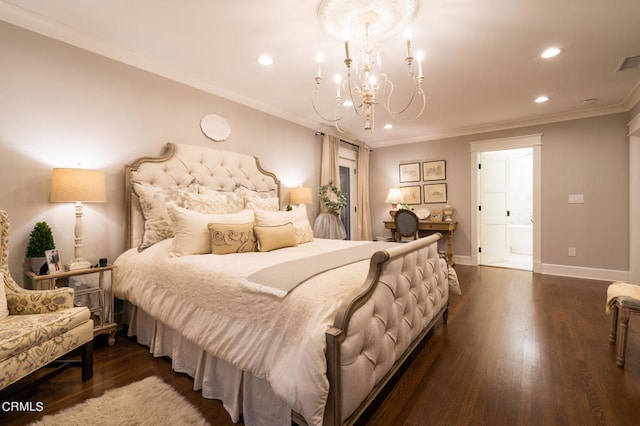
364	207
328	224
329	167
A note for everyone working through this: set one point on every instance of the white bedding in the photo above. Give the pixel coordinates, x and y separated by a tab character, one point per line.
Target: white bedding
279	340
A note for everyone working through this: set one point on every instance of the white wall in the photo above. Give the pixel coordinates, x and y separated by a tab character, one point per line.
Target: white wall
60	106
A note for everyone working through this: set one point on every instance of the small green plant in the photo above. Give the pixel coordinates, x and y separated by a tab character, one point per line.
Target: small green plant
40	239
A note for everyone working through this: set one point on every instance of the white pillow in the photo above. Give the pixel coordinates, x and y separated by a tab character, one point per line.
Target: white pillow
211	201
4	310
192	232
297	216
259	200
158	225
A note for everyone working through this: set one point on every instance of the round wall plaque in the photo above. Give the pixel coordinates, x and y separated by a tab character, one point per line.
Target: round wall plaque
215	127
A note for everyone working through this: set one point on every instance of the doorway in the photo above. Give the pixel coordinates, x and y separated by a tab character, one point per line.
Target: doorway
506	208
349	187
488	209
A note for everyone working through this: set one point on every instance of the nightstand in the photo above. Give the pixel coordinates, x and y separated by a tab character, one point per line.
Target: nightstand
102	314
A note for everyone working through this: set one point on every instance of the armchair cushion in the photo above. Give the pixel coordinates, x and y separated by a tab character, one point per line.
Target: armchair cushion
21	332
26	302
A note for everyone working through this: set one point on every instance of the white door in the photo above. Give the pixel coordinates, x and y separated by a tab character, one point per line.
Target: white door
494	220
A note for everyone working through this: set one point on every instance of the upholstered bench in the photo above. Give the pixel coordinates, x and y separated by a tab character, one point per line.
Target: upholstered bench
625	300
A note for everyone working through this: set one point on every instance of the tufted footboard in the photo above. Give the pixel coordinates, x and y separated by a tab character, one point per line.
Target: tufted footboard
405	293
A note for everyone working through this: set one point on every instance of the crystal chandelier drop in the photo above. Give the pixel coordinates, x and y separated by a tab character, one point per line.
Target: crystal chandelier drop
366	84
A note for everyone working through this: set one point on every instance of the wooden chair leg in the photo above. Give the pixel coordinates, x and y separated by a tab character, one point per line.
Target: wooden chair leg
87	361
614	324
623	325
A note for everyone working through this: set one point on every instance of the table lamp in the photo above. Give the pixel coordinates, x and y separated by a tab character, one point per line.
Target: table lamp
394	197
300	195
78	186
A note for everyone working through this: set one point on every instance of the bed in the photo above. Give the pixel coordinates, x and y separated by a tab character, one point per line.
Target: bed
263	331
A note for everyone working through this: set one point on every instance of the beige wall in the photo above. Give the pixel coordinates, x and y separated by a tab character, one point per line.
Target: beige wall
587	156
60	106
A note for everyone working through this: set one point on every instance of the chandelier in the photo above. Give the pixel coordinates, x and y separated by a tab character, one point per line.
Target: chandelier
365	84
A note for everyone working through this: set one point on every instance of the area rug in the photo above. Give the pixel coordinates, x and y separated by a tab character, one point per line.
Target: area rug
147	402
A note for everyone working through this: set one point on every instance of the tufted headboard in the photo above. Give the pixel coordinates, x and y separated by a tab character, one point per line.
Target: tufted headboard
180	165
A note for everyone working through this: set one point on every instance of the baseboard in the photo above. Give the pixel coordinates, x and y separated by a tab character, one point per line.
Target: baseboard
583	272
562	270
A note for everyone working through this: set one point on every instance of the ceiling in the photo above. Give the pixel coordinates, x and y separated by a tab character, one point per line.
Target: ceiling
482	66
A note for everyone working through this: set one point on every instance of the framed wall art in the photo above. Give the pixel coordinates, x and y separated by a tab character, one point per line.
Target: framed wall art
434	170
409	172
435	193
410	194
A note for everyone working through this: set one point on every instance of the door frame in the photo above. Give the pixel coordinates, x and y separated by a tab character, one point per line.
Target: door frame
529	141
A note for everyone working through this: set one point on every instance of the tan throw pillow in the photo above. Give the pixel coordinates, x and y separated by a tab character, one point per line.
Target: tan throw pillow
192	232
275	237
298	217
228	238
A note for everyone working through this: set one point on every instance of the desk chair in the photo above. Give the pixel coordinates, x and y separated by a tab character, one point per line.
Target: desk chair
406	224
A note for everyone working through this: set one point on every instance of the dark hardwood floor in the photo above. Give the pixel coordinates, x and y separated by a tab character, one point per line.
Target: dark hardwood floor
519	349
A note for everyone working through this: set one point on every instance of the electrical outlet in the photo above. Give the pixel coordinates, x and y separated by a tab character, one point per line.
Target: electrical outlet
576	198
572	251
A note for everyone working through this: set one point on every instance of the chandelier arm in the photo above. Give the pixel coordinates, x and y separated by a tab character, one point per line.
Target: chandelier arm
313	104
357	109
336	123
396	114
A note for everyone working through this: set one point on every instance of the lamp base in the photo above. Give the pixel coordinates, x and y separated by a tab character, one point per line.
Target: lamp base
76	264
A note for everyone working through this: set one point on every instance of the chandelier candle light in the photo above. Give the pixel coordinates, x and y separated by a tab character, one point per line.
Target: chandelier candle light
365	81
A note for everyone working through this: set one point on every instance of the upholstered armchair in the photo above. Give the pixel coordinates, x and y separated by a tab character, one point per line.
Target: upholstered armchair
38	327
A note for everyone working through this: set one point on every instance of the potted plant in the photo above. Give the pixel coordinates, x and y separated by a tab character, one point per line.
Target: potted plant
40	240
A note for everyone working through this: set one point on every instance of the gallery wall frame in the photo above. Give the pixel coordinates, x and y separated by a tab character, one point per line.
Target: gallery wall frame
434	170
409	172
435	193
411	194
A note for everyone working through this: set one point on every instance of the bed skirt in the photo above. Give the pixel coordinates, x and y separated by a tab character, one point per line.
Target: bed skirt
241	393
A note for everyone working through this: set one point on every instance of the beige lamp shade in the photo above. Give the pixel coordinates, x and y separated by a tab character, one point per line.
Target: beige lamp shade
73	185
300	195
394	196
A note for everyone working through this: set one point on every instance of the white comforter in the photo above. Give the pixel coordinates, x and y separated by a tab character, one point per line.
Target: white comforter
280	340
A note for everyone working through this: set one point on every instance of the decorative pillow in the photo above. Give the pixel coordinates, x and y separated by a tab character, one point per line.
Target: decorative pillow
210	201
259	200
192	232
297	216
158	225
275	237
227	238
4	310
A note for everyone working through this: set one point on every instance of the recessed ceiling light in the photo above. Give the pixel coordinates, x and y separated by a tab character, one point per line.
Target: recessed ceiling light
589	101
265	60
541	99
388	126
551	52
